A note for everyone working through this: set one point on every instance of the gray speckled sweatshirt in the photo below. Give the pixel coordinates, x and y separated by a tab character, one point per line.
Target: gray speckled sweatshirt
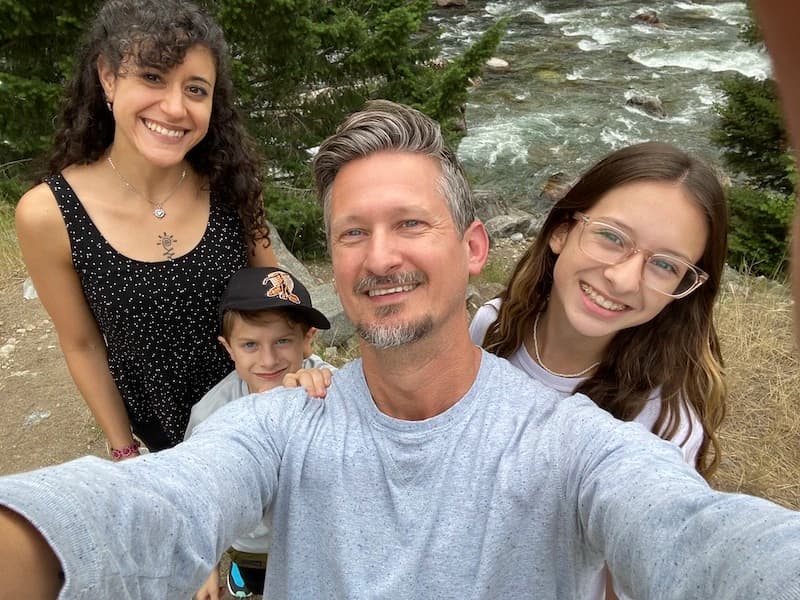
510	493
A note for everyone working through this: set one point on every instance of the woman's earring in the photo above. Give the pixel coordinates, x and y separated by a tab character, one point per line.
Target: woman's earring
109	106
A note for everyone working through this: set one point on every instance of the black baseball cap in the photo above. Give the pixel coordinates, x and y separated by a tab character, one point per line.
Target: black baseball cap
267	288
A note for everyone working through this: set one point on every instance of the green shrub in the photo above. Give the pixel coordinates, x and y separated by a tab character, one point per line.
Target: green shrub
496	271
13	182
758	240
11	189
298	219
751	134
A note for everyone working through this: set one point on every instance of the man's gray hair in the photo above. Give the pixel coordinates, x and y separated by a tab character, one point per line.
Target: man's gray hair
387	126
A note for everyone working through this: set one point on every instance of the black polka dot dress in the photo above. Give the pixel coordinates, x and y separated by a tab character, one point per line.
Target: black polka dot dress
159	319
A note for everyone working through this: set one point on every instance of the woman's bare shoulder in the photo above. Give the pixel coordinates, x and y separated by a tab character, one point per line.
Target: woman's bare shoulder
37	207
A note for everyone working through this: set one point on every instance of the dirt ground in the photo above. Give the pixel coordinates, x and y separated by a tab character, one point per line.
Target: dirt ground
43	420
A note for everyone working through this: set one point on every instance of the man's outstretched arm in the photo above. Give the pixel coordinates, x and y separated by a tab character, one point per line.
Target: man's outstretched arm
152	527
24	550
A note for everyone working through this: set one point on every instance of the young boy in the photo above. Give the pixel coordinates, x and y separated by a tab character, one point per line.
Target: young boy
267	324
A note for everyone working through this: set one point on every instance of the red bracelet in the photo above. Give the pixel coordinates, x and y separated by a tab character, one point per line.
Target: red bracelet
126	452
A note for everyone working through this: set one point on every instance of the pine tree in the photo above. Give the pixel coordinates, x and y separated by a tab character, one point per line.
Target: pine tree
37	44
751	133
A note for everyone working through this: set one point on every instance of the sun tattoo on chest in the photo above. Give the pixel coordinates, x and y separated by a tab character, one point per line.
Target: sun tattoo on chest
167	242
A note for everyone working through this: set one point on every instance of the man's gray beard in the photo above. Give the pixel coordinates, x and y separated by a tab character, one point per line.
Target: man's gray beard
392	336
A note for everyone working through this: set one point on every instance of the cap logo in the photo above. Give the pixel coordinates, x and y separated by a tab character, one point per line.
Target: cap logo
280	284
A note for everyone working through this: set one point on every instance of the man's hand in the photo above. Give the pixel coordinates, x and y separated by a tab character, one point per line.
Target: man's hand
30	568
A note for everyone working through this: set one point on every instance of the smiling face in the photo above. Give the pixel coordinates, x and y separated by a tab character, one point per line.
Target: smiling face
597	300
161	114
401	268
266	346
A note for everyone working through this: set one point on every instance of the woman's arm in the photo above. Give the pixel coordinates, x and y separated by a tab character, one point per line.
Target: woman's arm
45	248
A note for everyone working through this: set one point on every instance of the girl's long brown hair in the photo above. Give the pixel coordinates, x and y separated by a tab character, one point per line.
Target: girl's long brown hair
676	351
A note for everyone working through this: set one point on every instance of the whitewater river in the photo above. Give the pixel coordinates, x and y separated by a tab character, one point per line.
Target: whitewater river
573	65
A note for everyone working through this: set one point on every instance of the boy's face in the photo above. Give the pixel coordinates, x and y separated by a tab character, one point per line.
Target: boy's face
267	349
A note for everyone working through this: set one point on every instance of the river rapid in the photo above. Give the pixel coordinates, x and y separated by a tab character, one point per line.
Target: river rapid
573	65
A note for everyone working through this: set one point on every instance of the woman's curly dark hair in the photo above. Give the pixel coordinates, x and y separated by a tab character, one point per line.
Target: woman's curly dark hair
157	34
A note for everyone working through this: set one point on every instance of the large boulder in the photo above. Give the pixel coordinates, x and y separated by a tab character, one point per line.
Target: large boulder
556	187
649	17
517	221
287	260
489	204
497	64
651	105
326	300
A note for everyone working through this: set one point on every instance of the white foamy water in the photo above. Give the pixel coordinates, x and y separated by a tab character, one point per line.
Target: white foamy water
573	65
600	36
729	12
707	95
747	62
504	141
618	138
498	9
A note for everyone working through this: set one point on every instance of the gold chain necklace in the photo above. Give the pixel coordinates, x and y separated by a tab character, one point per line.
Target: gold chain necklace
158	207
541	364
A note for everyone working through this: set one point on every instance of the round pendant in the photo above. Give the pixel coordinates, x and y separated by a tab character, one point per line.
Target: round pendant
159	212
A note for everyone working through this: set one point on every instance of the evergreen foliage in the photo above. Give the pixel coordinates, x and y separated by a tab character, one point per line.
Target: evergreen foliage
751	134
37	44
302	65
297	216
759	225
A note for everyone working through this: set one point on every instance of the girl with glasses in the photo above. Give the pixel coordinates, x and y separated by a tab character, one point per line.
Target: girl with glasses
615	298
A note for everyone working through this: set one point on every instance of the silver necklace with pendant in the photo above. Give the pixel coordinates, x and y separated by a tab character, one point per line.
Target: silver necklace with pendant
158	207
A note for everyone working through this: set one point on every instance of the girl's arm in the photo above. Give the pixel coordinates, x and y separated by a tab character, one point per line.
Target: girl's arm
45	248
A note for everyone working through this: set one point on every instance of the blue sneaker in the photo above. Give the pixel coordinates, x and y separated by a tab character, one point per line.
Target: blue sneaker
236	585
